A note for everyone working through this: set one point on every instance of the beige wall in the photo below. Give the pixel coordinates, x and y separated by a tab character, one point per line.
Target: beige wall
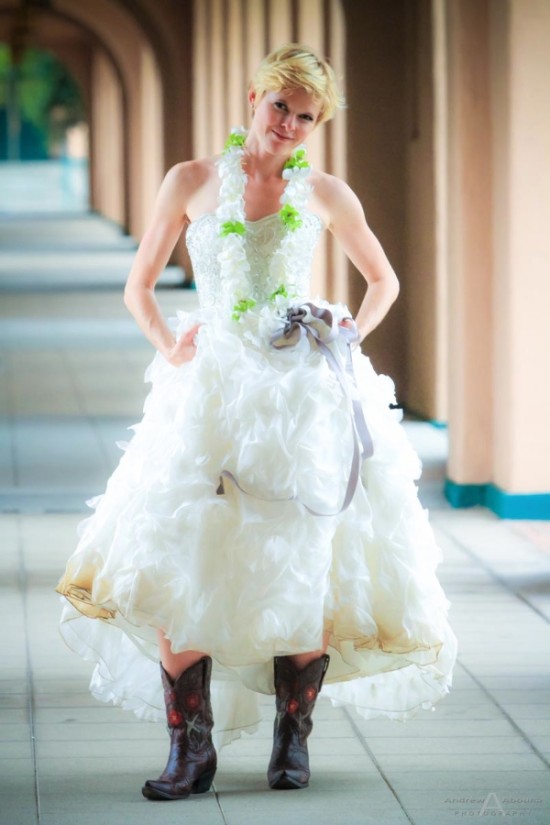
499	245
425	282
522	245
167	27
397	165
106	140
377	156
470	243
440	390
151	132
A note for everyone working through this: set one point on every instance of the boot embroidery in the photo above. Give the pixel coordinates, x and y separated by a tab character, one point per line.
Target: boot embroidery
175	718
192	726
192	701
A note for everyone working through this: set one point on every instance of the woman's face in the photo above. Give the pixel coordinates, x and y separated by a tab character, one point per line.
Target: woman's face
284	120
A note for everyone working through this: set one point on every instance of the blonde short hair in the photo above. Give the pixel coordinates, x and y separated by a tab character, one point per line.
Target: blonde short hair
294	66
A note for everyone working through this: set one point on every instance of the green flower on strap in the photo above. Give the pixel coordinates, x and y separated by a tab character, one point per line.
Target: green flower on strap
281	290
290	217
297	160
241	307
234	139
232	228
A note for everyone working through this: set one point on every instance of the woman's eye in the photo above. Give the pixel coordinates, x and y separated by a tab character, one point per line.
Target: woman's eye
280	105
306	117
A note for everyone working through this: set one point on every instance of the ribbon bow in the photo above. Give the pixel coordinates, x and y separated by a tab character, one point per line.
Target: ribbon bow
306	320
320	327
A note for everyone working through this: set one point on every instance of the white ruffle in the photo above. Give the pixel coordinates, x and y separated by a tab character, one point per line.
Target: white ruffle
244	579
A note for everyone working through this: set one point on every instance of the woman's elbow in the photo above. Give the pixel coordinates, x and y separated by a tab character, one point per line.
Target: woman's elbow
393	288
132	296
128	296
396	288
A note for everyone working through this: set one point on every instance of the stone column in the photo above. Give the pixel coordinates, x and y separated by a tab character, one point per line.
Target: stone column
470	260
152	132
107	190
521	306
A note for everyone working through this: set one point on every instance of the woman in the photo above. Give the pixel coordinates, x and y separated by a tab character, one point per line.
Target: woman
263	525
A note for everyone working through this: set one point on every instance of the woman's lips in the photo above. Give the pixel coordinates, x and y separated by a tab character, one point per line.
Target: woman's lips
281	137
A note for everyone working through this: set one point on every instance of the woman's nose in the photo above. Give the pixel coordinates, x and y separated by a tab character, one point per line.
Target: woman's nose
289	122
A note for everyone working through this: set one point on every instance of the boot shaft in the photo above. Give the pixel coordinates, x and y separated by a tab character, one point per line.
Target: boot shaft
297	691
296	694
187	699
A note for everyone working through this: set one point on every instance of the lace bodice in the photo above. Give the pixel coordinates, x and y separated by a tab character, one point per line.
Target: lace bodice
262	239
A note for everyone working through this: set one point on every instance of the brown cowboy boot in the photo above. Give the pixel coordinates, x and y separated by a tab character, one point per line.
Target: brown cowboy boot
296	693
192	759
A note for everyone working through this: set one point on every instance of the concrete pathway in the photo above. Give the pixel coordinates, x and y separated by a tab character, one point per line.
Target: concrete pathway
43	186
71	367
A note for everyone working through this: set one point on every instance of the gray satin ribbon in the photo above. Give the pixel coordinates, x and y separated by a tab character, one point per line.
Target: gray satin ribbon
320	327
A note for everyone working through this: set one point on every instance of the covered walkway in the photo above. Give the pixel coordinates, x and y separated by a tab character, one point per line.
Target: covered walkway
444	139
70	370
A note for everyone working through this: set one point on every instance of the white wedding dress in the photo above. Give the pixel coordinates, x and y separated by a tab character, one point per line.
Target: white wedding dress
245	576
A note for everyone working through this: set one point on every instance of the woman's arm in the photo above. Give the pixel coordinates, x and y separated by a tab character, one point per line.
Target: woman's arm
152	256
350	228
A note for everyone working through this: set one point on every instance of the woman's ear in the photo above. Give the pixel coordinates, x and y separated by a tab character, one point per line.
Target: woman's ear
252	98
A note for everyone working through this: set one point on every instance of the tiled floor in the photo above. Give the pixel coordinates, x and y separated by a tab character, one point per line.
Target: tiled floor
71	369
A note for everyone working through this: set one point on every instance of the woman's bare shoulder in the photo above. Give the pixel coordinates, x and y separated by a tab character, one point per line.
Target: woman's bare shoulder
329	188
332	196
192	174
184	184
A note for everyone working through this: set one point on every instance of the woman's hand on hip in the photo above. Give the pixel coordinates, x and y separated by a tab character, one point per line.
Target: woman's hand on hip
184	349
354	334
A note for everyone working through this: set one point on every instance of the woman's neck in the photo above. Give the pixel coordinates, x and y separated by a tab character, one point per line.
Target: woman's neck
260	164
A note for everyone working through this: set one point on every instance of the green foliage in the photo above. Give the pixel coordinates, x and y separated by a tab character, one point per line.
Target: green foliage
241	307
281	290
297	160
290	217
234	139
47	95
232	228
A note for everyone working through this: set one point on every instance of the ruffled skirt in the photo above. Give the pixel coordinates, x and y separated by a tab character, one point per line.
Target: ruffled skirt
246	576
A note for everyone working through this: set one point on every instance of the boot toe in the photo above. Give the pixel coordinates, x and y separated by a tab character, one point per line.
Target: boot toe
165	791
159	790
288	780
